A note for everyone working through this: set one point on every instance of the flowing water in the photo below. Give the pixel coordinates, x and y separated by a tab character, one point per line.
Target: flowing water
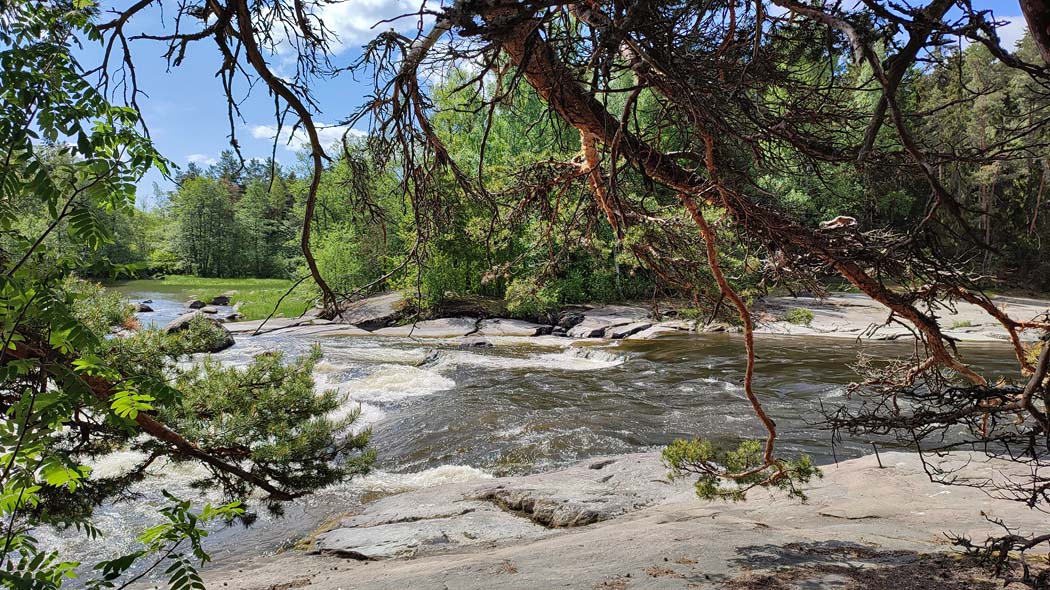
440	413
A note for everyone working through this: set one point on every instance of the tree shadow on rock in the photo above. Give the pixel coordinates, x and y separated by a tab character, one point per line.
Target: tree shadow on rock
841	565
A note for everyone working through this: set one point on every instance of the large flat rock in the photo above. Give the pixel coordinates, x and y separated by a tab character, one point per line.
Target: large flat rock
373	313
597	321
273	324
864	527
441	328
445	518
510	327
856	315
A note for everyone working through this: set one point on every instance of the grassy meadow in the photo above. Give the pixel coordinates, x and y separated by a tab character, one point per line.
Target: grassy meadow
257	297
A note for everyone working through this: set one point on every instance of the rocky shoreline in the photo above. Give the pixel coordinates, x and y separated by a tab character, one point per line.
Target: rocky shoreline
843	315
616	523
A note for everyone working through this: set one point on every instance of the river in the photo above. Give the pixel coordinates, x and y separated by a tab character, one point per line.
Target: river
440	413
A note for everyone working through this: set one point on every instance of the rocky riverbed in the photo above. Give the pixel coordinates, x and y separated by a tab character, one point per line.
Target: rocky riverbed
616	523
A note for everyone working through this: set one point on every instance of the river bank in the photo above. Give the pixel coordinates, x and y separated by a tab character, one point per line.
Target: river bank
615	523
840	315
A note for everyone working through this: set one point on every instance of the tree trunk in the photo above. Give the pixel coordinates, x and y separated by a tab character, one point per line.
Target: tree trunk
1037	14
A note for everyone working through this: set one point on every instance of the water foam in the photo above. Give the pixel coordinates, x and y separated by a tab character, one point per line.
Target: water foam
382	481
392	383
572	359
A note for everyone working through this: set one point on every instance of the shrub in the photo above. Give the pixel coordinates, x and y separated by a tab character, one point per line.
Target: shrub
799	316
712	465
527	299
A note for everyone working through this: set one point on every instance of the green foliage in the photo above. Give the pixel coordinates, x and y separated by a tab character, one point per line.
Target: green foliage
800	316
961	324
712	465
297	442
69	163
98	308
528	300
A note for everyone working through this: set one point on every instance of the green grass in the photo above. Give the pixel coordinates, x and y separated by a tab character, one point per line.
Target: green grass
256	296
961	324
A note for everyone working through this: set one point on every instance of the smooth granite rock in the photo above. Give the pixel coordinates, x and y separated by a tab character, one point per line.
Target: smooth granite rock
621	332
508	327
372	313
442	328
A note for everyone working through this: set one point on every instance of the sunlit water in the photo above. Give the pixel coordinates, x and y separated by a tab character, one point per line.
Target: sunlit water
442	414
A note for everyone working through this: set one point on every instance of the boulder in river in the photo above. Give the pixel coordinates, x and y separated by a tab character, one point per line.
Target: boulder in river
373	313
569	320
210	309
596	322
474	342
220	300
195	304
222	340
143	308
621	332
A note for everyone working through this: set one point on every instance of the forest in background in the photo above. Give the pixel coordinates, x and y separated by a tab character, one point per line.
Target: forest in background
241	218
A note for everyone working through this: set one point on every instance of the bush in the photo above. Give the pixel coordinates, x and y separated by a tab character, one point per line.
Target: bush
713	465
526	299
799	316
101	310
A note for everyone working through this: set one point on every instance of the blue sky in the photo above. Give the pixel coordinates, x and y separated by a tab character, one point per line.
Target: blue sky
186	110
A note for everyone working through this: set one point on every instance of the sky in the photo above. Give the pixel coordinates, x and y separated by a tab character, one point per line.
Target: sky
185	108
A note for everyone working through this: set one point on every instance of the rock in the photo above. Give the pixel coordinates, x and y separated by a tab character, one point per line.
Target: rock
233	317
181	323
655	332
621	332
507	327
445	518
275	324
474	342
717	327
442	328
220	300
148	301
224	341
862	527
587	329
596	321
143	308
195	304
373	313
559	331
209	309
569	320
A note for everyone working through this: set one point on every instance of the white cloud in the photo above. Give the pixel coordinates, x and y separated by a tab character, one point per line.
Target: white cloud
356	22
328	134
201	159
1011	32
